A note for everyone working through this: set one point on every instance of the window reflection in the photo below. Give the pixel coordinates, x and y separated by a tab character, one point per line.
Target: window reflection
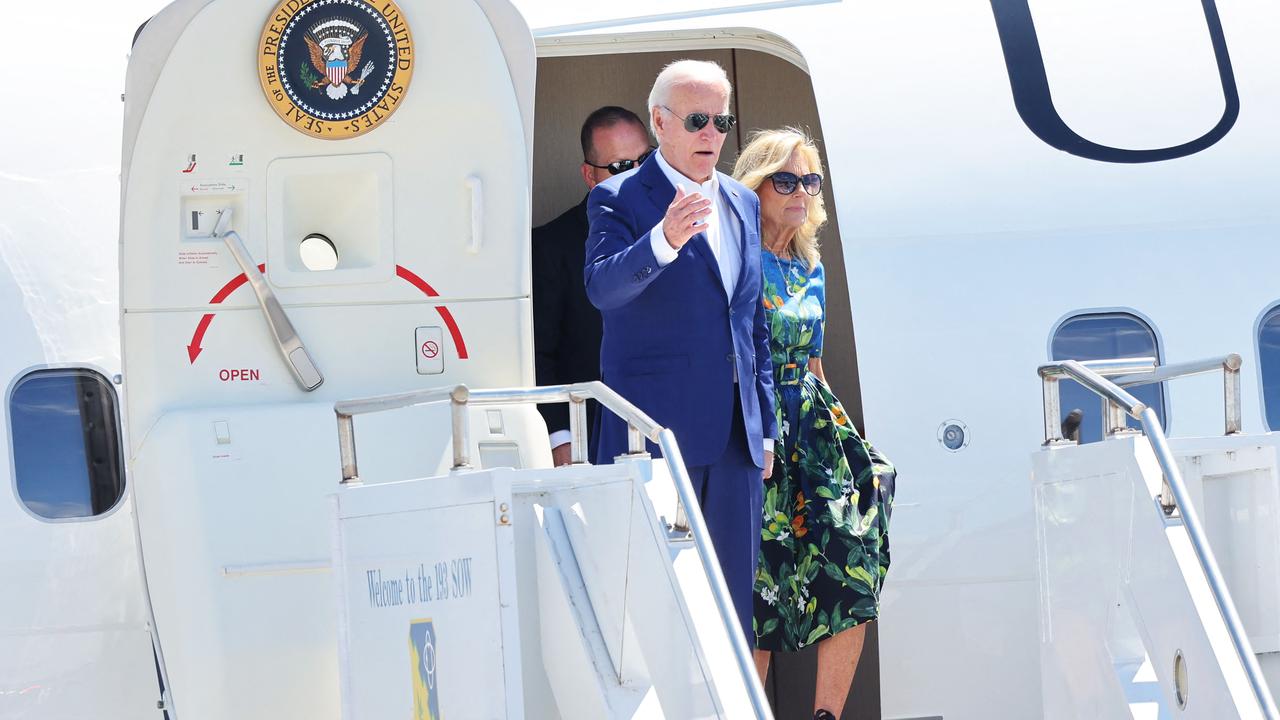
1269	361
66	443
1101	337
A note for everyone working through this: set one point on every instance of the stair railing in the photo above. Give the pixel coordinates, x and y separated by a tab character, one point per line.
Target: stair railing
1174	499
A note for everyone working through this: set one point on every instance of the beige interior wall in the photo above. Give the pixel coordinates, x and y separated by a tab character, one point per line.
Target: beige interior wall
768	92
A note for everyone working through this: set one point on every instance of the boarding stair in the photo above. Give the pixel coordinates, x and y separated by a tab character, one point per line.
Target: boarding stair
504	592
1158	584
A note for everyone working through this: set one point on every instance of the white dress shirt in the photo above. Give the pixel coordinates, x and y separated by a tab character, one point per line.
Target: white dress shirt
724	236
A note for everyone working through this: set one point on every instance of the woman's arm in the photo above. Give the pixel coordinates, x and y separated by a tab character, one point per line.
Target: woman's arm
815	367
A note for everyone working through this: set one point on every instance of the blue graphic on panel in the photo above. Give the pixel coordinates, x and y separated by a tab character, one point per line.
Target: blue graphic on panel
422	653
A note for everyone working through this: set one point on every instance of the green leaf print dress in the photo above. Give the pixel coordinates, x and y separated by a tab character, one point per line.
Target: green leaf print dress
824	547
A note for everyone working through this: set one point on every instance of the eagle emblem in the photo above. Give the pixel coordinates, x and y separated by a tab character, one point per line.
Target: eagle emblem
335	45
335	69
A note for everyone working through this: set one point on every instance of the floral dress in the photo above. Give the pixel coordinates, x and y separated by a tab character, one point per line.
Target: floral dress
824	547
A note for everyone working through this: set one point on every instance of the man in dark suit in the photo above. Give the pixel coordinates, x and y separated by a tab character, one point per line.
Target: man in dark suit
673	263
566	327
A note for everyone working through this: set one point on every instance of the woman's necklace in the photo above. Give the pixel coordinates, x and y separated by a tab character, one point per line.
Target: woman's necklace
787	276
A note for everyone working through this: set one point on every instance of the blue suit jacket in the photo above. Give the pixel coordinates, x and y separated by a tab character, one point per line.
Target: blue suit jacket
671	337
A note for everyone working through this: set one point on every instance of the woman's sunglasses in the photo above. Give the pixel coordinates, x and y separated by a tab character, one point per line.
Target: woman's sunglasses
694	122
785	183
621	166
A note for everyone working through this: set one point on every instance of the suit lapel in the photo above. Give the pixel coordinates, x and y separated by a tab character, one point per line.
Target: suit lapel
734	200
703	250
661	192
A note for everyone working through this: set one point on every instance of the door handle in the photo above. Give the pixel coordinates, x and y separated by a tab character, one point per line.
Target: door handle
476	188
287	341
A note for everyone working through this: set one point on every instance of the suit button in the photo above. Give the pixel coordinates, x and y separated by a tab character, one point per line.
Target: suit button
730	357
731	312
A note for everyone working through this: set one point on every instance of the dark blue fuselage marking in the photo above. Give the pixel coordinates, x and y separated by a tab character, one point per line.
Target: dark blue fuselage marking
1034	100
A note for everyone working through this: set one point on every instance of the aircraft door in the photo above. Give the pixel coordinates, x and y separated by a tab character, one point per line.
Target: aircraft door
402	180
321	200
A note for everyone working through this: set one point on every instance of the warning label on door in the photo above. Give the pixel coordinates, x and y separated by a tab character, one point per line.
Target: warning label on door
210	258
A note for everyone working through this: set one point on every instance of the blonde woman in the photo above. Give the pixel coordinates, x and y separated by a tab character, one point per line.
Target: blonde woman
825	547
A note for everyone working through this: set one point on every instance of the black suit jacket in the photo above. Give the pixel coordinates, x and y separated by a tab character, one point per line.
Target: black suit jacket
566	326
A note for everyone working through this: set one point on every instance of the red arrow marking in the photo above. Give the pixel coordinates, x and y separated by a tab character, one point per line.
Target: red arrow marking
194	349
232	286
445	315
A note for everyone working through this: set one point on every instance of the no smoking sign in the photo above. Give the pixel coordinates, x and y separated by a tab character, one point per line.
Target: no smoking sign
428	343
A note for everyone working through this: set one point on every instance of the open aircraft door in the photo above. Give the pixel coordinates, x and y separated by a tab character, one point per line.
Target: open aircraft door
321	200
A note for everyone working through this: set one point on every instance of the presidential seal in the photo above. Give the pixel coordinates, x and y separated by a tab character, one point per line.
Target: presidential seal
335	69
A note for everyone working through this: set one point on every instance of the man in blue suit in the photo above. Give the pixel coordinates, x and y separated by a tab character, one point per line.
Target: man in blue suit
673	264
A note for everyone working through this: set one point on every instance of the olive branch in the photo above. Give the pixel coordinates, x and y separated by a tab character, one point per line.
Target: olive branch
309	76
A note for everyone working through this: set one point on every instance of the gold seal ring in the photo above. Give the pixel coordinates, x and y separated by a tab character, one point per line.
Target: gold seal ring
335	69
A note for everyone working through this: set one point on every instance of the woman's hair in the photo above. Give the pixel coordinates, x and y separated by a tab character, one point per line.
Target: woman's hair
769	151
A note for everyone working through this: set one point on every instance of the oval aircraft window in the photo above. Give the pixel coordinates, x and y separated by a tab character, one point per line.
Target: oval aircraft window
66	443
318	253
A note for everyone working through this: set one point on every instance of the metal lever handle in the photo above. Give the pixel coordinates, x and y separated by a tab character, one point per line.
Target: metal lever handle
287	341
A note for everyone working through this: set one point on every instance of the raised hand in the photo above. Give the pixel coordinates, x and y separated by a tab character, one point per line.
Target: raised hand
685	217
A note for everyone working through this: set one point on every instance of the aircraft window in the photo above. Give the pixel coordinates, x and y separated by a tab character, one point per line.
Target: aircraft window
318	253
66	443
1269	361
1101	336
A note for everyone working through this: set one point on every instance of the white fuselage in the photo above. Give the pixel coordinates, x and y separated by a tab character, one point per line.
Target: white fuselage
966	238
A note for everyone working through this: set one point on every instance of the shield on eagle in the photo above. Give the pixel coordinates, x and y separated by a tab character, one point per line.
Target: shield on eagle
335	45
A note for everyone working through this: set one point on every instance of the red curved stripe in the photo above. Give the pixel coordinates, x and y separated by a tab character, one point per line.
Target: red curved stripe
232	286
453	330
416	281
194	349
408	276
404	273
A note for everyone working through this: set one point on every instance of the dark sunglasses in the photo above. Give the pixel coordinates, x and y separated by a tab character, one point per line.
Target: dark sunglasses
621	166
785	183
694	122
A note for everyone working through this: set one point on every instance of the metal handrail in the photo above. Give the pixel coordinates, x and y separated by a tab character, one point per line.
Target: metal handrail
1135	372
1229	365
1174	484
639	427
1051	373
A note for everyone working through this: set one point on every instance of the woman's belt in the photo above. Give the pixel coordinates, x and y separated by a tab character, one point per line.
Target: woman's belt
790	373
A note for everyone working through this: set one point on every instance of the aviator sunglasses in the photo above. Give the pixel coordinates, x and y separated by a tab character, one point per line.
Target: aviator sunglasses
785	183
693	122
621	166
